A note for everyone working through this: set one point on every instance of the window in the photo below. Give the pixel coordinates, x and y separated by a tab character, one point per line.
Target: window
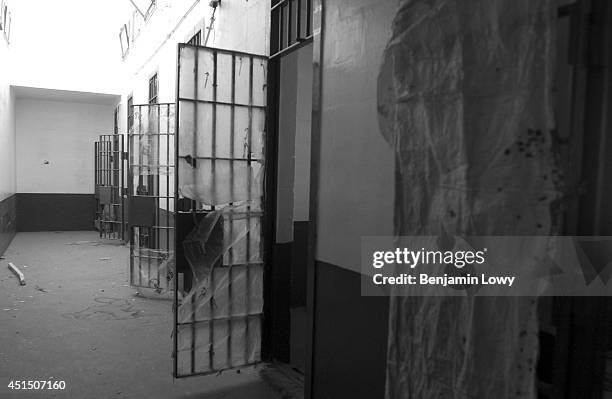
196	39
124	39
5	20
116	128
291	24
153	89
130	113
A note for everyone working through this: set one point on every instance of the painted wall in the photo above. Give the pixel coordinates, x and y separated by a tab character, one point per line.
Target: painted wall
8	213
7	124
303	123
55	144
239	25
356	188
355	199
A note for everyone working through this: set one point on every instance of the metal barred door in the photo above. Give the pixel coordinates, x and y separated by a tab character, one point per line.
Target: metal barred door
151	197
221	110
109	172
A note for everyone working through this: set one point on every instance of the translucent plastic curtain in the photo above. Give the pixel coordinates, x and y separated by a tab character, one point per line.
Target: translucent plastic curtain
464	98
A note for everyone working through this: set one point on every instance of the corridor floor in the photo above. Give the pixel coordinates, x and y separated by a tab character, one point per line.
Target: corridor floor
77	320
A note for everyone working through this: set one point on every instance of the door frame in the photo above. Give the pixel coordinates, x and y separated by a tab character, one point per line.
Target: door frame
275	308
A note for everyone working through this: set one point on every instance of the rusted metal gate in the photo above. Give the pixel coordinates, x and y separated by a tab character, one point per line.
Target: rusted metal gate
109	183
221	111
151	196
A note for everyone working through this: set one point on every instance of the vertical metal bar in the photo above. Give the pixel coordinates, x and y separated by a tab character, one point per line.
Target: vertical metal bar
289	21
231	219
281	17
175	303
140	182
213	154
158	193
298	21
309	11
167	224
196	72
122	171
96	188
150	191
248	212
130	185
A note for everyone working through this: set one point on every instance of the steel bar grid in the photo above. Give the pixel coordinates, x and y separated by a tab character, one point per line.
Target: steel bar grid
151	194
218	327
292	22
109	182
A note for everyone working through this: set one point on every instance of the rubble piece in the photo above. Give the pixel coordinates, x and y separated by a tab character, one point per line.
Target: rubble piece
18	273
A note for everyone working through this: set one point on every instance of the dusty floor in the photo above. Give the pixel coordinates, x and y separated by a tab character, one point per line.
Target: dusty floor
77	320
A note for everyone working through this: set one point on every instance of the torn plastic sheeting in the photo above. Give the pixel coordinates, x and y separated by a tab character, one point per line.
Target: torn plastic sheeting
464	98
220	182
241	350
230	236
246	297
238	131
154	269
150	135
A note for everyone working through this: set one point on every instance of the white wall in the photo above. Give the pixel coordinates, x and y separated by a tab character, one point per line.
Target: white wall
303	124
63	134
239	25
356	188
7	125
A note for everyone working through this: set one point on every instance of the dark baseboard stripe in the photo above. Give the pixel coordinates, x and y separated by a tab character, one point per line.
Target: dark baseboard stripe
350	343
55	212
8	221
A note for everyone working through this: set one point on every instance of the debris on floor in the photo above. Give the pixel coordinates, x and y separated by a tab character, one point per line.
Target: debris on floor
85	243
40	289
105	258
18	273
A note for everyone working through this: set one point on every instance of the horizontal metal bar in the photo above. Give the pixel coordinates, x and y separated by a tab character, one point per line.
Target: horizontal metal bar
203	211
279	4
224	318
224	51
156	105
138	165
253	264
215	371
193	100
147	257
301	42
222	158
150	134
153	196
155	227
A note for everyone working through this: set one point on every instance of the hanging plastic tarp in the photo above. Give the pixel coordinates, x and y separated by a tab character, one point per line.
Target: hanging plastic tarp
221	131
151	199
464	98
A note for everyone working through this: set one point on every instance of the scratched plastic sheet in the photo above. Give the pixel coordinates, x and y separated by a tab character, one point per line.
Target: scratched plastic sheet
464	98
151	193
221	129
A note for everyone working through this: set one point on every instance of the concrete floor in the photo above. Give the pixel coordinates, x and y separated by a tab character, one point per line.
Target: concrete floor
77	320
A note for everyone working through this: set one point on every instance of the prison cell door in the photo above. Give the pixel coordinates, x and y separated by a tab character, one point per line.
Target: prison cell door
221	109
151	197
109	171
